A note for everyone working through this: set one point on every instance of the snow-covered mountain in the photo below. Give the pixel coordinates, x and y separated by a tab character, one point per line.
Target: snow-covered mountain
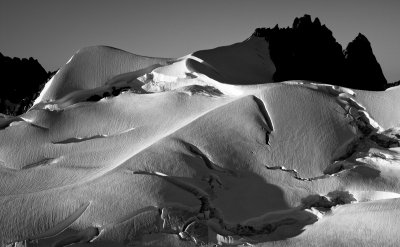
126	150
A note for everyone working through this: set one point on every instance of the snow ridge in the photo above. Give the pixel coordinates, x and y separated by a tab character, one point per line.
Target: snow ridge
194	168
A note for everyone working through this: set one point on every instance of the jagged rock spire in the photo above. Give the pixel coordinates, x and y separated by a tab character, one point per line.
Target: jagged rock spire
309	51
21	81
362	66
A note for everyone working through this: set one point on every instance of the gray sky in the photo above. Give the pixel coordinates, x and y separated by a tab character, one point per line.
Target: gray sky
52	30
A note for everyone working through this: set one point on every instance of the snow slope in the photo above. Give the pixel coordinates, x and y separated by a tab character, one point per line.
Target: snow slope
156	152
247	62
383	105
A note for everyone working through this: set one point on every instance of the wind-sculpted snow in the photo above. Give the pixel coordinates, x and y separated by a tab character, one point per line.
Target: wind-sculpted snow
92	67
163	154
152	79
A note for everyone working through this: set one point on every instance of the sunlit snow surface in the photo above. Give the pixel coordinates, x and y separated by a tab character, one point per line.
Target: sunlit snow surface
124	150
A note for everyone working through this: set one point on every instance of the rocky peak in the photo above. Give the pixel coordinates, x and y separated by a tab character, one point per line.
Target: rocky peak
21	81
362	66
309	51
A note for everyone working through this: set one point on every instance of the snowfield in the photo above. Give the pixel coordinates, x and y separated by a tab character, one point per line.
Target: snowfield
125	150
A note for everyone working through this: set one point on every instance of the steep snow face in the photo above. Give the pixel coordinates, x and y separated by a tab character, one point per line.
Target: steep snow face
247	62
173	155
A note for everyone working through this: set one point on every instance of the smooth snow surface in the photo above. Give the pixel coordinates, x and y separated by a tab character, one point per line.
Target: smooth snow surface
247	62
383	106
124	150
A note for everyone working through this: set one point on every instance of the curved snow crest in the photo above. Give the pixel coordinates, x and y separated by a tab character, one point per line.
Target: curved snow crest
92	67
242	63
46	88
176	76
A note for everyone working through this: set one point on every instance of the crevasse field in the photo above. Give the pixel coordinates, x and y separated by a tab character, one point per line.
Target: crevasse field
126	150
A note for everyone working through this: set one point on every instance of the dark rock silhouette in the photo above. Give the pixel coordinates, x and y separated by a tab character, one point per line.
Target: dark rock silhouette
21	82
393	84
308	51
305	51
362	67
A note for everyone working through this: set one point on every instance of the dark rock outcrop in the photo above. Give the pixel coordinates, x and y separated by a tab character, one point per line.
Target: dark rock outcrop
308	51
362	69
21	82
393	84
